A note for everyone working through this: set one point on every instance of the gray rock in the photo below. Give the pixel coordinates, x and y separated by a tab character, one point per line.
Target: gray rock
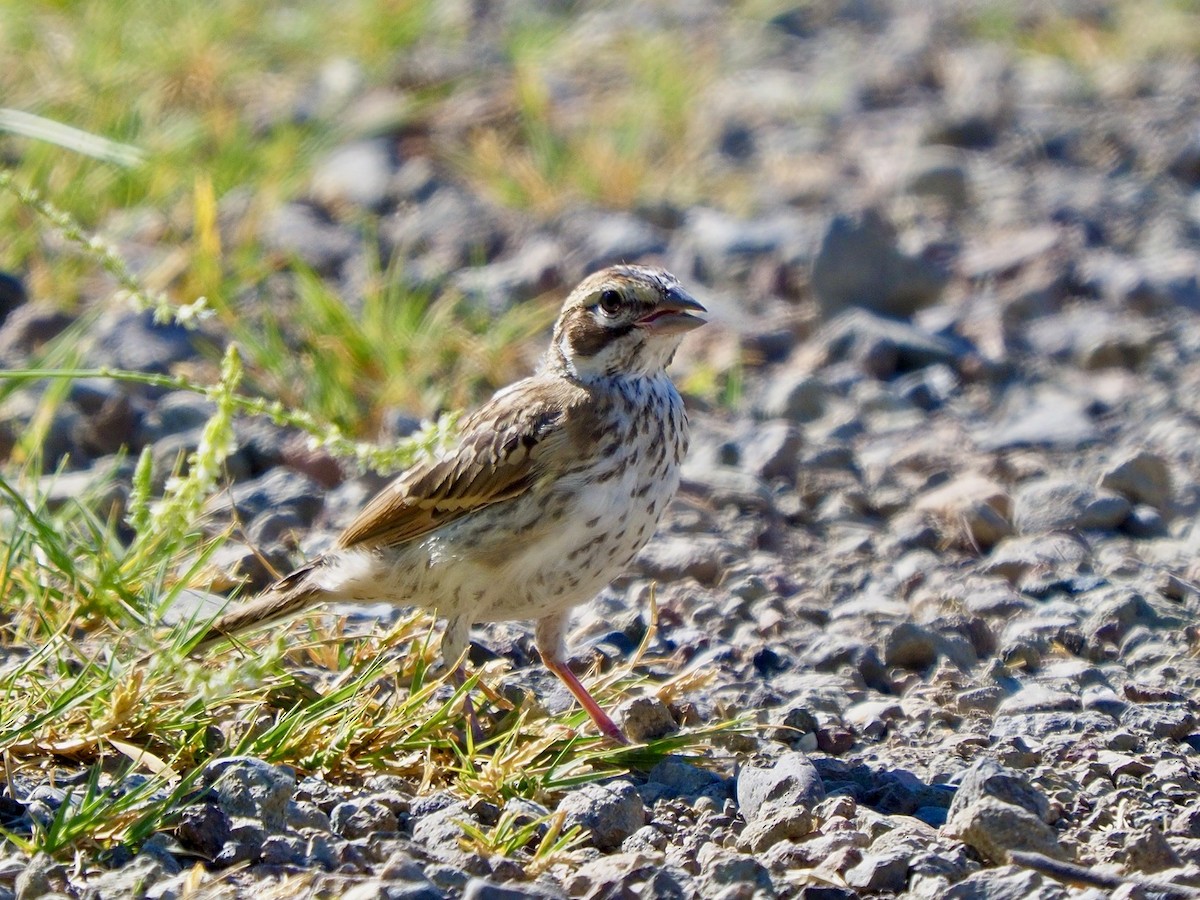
136	879
175	413
277	490
911	646
204	828
972	510
12	295
860	264
629	875
133	340
645	719
601	238
1053	504
1044	417
609	813
1114	616
1140	476
283	850
1041	725
248	788
450	229
775	822
1171	720
362	819
772	450
993	828
298	231
355	174
685	779
795	396
790	779
939	175
986	778
723	869
40	876
535	269
440	830
1006	883
880	872
884	347
404	878
683	556
482	889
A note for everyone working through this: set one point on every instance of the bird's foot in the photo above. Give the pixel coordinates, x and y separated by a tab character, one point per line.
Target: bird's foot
602	719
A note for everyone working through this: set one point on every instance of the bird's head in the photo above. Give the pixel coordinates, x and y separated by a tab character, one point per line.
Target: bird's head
624	320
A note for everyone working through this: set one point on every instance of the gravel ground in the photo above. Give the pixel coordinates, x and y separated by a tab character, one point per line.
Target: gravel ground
942	547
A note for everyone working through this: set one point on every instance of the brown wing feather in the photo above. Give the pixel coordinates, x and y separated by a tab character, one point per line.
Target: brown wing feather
503	449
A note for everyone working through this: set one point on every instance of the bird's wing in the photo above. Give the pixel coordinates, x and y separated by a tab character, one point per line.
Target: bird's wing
515	439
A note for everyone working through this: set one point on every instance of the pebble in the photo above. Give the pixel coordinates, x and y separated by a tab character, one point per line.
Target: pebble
993	828
859	264
693	556
1054	504
791	779
608	813
645	719
1141	477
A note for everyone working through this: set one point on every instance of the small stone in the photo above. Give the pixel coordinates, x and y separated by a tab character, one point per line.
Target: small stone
299	231
39	877
940	175
1054	504
204	828
1043	417
645	719
860	264
249	788
772	451
535	269
790	779
871	718
797	397
911	646
775	822
1147	850
362	819
136	879
1005	883
986	778
12	295
723	869
686	779
877	873
482	889
284	850
683	556
973	511
1142	477
993	828
609	813
354	174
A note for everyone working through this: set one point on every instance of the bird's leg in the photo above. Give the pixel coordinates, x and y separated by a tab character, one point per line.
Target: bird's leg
454	645
550	636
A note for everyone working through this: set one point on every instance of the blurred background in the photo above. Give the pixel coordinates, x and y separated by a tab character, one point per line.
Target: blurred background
369	194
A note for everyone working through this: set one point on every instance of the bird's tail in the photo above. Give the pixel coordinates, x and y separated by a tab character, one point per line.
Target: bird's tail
284	599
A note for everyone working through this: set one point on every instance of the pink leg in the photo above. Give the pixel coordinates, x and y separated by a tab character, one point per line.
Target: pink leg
549	638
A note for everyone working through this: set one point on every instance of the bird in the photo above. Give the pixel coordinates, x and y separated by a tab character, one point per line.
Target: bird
550	490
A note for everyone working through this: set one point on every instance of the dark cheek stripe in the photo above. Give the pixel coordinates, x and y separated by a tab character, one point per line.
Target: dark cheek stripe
588	339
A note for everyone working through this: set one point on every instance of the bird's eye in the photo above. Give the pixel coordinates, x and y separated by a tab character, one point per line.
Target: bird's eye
610	302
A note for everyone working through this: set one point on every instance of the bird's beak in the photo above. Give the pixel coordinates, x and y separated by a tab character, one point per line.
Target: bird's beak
674	314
